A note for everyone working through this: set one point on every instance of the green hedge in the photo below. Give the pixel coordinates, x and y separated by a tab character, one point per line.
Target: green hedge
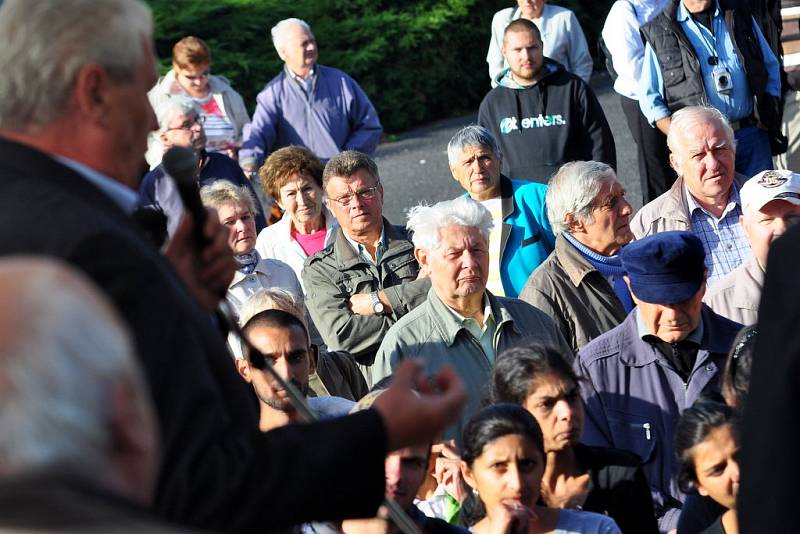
417	60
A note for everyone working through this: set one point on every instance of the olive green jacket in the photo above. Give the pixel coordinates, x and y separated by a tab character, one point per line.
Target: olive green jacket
434	335
337	272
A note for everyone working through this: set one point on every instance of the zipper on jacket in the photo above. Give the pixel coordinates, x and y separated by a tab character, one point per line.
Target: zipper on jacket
646	427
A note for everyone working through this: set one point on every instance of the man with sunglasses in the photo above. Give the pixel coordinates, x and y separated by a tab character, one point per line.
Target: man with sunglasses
367	278
180	123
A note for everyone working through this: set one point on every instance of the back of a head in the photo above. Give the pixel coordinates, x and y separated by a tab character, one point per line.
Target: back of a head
736	378
63	351
44	44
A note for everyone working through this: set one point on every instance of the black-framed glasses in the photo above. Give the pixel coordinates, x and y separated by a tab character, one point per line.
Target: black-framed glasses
189	124
364	194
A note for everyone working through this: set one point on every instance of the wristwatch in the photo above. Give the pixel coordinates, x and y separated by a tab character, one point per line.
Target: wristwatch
377	305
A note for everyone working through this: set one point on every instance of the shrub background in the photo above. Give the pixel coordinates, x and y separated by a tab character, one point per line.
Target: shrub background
417	60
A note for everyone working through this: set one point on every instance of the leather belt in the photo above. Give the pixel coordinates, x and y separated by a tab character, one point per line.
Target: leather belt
744	123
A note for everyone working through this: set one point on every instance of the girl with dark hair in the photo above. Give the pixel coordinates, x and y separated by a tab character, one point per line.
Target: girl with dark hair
502	462
707	443
596	479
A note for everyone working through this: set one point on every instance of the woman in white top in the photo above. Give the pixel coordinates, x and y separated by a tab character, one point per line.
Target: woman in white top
235	206
622	38
562	37
293	177
503	462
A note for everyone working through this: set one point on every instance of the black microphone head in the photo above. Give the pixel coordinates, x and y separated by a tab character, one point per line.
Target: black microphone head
180	163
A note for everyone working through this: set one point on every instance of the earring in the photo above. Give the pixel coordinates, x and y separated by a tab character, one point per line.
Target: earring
475	491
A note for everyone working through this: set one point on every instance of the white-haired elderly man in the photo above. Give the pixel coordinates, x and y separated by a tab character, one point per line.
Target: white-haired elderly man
308	104
461	323
581	285
79	446
770	205
521	236
180	124
704	199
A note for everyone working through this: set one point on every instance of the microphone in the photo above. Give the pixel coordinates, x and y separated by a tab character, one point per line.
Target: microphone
180	163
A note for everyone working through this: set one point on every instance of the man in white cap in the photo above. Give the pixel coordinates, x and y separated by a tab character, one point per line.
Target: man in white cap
770	205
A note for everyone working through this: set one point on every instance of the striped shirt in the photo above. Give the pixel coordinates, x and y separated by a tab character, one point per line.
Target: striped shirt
723	238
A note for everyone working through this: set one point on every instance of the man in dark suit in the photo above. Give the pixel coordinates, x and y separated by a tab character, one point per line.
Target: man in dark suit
74	118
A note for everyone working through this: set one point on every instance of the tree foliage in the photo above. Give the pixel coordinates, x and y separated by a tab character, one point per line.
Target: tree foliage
417	60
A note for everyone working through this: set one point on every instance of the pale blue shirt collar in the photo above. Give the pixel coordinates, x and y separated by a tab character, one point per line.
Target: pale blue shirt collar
122	195
683	14
696	336
733	201
362	251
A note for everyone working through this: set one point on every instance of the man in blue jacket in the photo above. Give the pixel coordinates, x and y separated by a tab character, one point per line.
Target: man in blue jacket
521	238
641	375
307	104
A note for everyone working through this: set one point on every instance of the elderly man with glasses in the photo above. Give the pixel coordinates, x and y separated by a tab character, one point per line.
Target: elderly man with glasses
367	278
180	123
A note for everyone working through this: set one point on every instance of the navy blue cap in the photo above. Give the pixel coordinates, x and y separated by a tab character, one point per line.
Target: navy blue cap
665	268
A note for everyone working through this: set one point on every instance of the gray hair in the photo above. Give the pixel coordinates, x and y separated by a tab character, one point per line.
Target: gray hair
277	32
172	107
471	136
425	222
224	192
346	164
62	349
44	44
687	118
273	298
573	190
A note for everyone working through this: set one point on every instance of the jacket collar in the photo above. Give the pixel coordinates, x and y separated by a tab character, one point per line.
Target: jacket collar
445	321
507	208
642	353
347	258
572	261
747	291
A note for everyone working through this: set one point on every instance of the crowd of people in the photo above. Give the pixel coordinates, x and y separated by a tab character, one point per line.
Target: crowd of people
266	351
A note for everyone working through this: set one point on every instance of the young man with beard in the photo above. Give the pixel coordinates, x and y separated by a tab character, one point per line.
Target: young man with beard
542	115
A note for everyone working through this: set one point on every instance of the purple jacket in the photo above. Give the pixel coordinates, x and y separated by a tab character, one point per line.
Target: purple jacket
337	116
634	398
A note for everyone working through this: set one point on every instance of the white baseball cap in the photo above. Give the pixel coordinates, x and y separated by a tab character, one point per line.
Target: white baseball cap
770	185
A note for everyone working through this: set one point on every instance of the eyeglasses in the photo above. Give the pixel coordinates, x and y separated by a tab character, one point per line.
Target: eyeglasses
364	194
189	124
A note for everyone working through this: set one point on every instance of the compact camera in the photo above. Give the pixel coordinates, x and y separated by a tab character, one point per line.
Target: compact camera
722	80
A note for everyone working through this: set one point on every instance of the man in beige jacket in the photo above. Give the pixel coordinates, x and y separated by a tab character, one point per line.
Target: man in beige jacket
771	204
704	199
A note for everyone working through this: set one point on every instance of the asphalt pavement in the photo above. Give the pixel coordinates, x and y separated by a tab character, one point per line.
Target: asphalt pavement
413	167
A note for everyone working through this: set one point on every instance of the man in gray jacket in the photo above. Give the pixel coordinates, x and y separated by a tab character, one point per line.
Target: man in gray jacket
770	204
461	323
581	284
367	278
640	376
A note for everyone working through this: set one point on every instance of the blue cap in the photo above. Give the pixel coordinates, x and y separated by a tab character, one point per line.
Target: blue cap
665	268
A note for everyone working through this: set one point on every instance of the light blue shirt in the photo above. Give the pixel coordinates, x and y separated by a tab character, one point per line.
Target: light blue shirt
735	105
724	241
122	195
361	250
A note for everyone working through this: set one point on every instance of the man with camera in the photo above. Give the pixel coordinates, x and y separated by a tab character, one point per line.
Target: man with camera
712	52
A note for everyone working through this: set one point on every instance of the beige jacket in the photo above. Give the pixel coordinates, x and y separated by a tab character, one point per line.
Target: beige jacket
579	299
670	211
737	294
